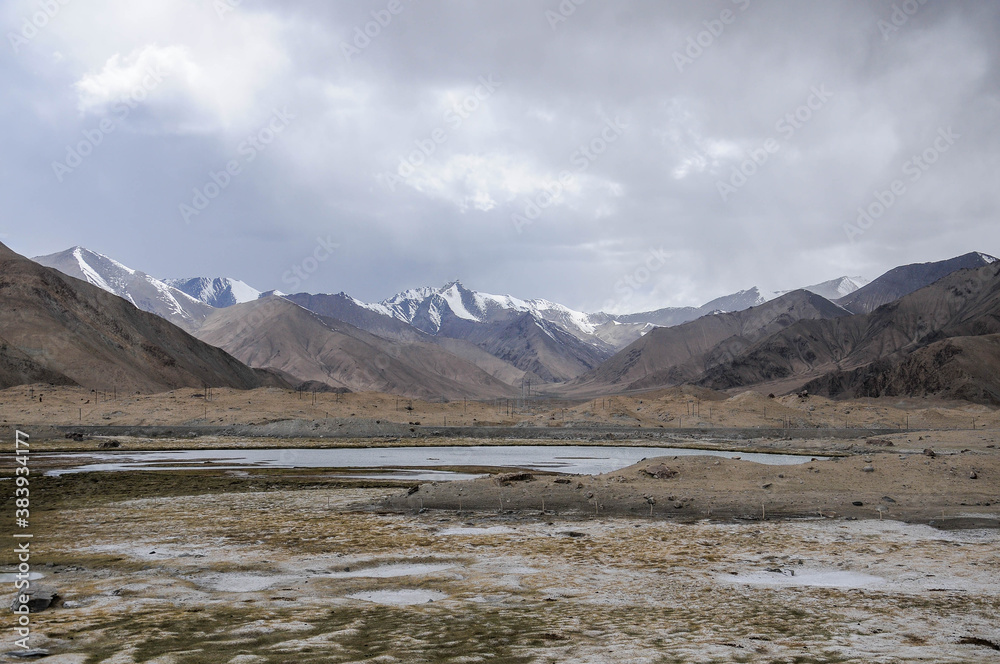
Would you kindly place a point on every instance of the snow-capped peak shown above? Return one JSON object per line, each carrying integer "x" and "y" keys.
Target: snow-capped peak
{"x": 834, "y": 289}
{"x": 142, "y": 290}
{"x": 217, "y": 292}
{"x": 428, "y": 308}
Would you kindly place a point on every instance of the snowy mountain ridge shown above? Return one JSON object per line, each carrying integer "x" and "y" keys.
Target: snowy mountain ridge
{"x": 428, "y": 307}
{"x": 834, "y": 289}
{"x": 142, "y": 290}
{"x": 218, "y": 292}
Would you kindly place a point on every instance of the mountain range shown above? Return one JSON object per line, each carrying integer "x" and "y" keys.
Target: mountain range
{"x": 845, "y": 336}
{"x": 275, "y": 333}
{"x": 63, "y": 330}
{"x": 218, "y": 292}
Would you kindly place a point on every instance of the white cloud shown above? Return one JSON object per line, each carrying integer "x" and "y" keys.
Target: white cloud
{"x": 482, "y": 182}
{"x": 134, "y": 76}
{"x": 191, "y": 71}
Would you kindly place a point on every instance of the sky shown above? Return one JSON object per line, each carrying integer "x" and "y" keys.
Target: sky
{"x": 622, "y": 156}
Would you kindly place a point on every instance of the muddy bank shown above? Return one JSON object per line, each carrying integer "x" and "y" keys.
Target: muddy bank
{"x": 961, "y": 489}
{"x": 269, "y": 577}
{"x": 349, "y": 428}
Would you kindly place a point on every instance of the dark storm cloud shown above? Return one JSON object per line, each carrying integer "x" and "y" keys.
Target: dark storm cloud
{"x": 420, "y": 148}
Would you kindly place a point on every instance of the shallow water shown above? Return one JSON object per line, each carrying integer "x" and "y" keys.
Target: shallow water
{"x": 402, "y": 462}
{"x": 11, "y": 578}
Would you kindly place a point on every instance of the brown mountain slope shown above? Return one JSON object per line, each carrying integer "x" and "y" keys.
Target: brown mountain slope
{"x": 964, "y": 303}
{"x": 536, "y": 346}
{"x": 494, "y": 366}
{"x": 674, "y": 355}
{"x": 98, "y": 340}
{"x": 907, "y": 279}
{"x": 275, "y": 333}
{"x": 17, "y": 368}
{"x": 957, "y": 368}
{"x": 522, "y": 342}
{"x": 344, "y": 308}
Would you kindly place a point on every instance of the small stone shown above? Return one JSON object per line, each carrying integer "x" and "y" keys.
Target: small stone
{"x": 858, "y": 503}
{"x": 766, "y": 486}
{"x": 660, "y": 472}
{"x": 930, "y": 453}
{"x": 35, "y": 653}
{"x": 973, "y": 476}
{"x": 39, "y": 599}
{"x": 887, "y": 499}
{"x": 505, "y": 479}
{"x": 868, "y": 469}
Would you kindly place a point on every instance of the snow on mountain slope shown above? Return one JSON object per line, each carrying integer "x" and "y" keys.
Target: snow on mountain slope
{"x": 428, "y": 308}
{"x": 145, "y": 292}
{"x": 905, "y": 279}
{"x": 671, "y": 316}
{"x": 834, "y": 289}
{"x": 218, "y": 292}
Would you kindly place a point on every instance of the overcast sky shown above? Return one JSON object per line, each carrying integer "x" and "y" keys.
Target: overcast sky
{"x": 533, "y": 148}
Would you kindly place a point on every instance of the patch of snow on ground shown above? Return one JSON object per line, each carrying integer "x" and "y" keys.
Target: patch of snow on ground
{"x": 811, "y": 578}
{"x": 493, "y": 530}
{"x": 234, "y": 582}
{"x": 391, "y": 571}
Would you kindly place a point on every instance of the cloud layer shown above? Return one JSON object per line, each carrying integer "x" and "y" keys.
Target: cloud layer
{"x": 538, "y": 148}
